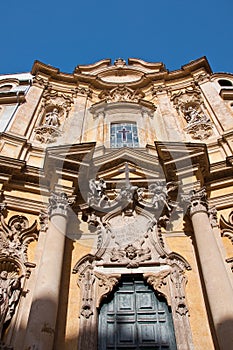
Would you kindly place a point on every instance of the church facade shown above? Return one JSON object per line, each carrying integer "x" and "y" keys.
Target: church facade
{"x": 116, "y": 207}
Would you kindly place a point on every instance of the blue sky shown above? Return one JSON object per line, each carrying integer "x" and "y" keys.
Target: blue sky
{"x": 67, "y": 33}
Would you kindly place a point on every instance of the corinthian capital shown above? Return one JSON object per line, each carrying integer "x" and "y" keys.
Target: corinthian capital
{"x": 59, "y": 204}
{"x": 197, "y": 200}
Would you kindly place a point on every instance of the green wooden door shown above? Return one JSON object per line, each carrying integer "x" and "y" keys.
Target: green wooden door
{"x": 134, "y": 318}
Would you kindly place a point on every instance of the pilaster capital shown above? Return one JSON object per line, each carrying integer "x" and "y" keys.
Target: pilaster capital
{"x": 59, "y": 204}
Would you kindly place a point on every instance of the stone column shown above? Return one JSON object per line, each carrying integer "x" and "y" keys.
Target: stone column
{"x": 43, "y": 314}
{"x": 218, "y": 287}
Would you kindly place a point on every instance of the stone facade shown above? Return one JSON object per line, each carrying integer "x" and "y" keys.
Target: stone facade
{"x": 115, "y": 170}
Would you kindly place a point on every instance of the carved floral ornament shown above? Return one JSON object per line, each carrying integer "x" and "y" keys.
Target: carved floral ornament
{"x": 15, "y": 237}
{"x": 190, "y": 105}
{"x": 52, "y": 114}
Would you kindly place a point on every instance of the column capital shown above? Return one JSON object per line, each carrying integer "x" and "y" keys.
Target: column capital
{"x": 198, "y": 202}
{"x": 59, "y": 204}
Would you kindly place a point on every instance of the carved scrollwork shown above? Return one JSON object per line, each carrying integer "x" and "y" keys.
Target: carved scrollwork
{"x": 106, "y": 283}
{"x": 15, "y": 237}
{"x": 121, "y": 93}
{"x": 179, "y": 281}
{"x": 158, "y": 281}
{"x": 227, "y": 226}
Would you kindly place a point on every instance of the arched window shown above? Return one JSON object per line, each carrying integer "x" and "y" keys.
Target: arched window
{"x": 225, "y": 82}
{"x": 124, "y": 135}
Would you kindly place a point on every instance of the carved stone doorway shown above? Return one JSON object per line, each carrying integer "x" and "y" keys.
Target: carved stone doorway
{"x": 134, "y": 317}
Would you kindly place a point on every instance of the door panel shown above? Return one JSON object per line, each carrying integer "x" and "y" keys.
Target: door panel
{"x": 134, "y": 318}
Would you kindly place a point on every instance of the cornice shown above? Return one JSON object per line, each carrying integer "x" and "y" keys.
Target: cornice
{"x": 147, "y": 72}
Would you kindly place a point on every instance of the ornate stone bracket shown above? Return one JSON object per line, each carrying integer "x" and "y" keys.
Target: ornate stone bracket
{"x": 94, "y": 286}
{"x": 158, "y": 281}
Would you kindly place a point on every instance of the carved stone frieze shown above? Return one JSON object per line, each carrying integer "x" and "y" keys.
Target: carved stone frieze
{"x": 189, "y": 103}
{"x": 158, "y": 197}
{"x": 86, "y": 281}
{"x": 230, "y": 261}
{"x": 121, "y": 93}
{"x": 97, "y": 195}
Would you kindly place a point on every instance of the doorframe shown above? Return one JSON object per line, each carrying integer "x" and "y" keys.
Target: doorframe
{"x": 96, "y": 283}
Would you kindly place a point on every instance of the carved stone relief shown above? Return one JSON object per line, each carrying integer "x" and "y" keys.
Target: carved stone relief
{"x": 14, "y": 265}
{"x": 121, "y": 94}
{"x": 190, "y": 105}
{"x": 53, "y": 112}
{"x": 128, "y": 224}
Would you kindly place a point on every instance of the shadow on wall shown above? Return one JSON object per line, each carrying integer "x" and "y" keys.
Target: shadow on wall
{"x": 225, "y": 334}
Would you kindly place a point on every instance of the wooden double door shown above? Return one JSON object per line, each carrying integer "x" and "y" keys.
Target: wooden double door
{"x": 135, "y": 318}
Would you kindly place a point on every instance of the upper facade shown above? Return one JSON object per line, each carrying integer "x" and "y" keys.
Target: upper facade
{"x": 129, "y": 104}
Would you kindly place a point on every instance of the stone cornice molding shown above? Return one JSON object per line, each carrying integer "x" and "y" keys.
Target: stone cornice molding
{"x": 146, "y": 72}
